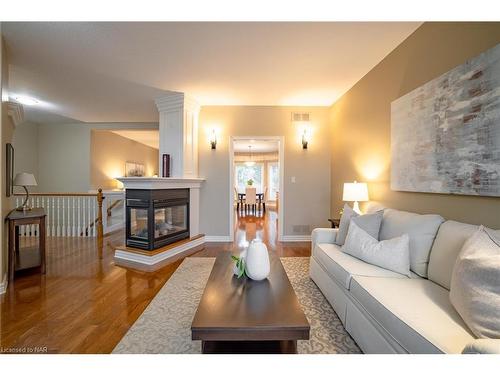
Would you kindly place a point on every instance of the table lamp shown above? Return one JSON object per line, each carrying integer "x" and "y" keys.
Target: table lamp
{"x": 355, "y": 192}
{"x": 25, "y": 179}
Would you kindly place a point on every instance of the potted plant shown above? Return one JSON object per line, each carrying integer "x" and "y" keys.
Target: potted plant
{"x": 250, "y": 182}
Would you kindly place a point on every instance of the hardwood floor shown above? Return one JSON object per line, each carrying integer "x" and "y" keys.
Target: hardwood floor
{"x": 86, "y": 305}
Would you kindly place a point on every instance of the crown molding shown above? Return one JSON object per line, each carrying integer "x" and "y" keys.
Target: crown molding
{"x": 174, "y": 101}
{"x": 16, "y": 112}
{"x": 170, "y": 102}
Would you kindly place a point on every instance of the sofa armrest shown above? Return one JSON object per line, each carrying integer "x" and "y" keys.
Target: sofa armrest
{"x": 483, "y": 346}
{"x": 323, "y": 235}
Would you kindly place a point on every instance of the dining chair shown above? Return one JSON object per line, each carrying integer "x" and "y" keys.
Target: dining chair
{"x": 237, "y": 197}
{"x": 251, "y": 198}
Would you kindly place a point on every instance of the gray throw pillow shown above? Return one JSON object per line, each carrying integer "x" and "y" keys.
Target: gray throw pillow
{"x": 370, "y": 223}
{"x": 347, "y": 214}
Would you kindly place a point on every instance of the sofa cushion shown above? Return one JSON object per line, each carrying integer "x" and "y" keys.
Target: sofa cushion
{"x": 448, "y": 243}
{"x": 422, "y": 230}
{"x": 475, "y": 284}
{"x": 417, "y": 313}
{"x": 342, "y": 266}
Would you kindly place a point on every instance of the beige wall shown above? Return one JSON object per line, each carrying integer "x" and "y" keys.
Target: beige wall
{"x": 306, "y": 202}
{"x": 60, "y": 154}
{"x": 108, "y": 155}
{"x": 361, "y": 119}
{"x": 25, "y": 142}
{"x": 63, "y": 157}
{"x": 7, "y": 129}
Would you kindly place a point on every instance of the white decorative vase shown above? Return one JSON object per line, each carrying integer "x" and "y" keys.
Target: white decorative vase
{"x": 236, "y": 271}
{"x": 257, "y": 261}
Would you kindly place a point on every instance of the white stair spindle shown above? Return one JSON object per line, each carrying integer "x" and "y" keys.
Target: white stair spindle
{"x": 53, "y": 221}
{"x": 63, "y": 228}
{"x": 73, "y": 221}
{"x": 37, "y": 227}
{"x": 84, "y": 212}
{"x": 79, "y": 218}
{"x": 89, "y": 218}
{"x": 58, "y": 216}
{"x": 94, "y": 203}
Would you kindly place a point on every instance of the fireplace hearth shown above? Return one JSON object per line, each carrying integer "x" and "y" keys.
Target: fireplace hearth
{"x": 156, "y": 217}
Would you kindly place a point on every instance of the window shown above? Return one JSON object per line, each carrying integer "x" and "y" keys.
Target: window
{"x": 273, "y": 173}
{"x": 243, "y": 173}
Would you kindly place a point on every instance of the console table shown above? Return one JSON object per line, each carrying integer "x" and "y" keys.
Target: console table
{"x": 15, "y": 219}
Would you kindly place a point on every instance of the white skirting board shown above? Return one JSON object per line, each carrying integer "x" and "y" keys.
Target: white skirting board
{"x": 292, "y": 238}
{"x": 3, "y": 285}
{"x": 217, "y": 239}
{"x": 152, "y": 260}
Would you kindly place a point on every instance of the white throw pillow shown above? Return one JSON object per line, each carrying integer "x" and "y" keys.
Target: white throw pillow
{"x": 393, "y": 254}
{"x": 475, "y": 284}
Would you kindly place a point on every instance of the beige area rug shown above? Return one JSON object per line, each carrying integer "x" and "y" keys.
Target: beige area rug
{"x": 165, "y": 325}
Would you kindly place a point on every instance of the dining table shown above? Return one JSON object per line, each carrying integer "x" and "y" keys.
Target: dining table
{"x": 258, "y": 195}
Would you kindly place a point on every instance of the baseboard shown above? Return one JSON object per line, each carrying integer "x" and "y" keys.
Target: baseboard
{"x": 294, "y": 238}
{"x": 217, "y": 239}
{"x": 3, "y": 285}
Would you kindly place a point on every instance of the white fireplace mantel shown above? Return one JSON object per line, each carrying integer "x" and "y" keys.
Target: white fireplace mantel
{"x": 161, "y": 182}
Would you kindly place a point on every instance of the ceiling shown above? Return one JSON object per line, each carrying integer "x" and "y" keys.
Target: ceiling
{"x": 146, "y": 137}
{"x": 112, "y": 71}
{"x": 258, "y": 146}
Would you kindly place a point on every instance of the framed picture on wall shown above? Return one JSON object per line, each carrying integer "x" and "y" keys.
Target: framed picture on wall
{"x": 133, "y": 169}
{"x": 9, "y": 170}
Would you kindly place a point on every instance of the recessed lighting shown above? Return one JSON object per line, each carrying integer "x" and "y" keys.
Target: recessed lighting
{"x": 26, "y": 100}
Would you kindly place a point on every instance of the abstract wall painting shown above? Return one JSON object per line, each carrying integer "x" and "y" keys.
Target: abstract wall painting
{"x": 445, "y": 135}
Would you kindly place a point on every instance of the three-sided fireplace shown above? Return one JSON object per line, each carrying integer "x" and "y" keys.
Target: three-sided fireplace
{"x": 157, "y": 217}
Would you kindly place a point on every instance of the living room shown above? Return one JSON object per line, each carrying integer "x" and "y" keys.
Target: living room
{"x": 363, "y": 219}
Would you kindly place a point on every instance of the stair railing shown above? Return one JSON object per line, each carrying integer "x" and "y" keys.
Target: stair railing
{"x": 68, "y": 215}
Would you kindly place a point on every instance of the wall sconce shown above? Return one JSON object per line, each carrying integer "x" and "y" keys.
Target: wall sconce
{"x": 213, "y": 139}
{"x": 306, "y": 135}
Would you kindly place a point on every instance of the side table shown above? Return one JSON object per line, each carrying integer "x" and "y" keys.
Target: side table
{"x": 335, "y": 222}
{"x": 15, "y": 219}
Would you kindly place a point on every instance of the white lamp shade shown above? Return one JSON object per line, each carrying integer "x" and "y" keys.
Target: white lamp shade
{"x": 24, "y": 179}
{"x": 355, "y": 192}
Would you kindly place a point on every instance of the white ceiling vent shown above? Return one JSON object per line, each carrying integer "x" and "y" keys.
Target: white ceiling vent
{"x": 301, "y": 116}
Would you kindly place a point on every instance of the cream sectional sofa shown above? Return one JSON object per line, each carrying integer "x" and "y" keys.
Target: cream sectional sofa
{"x": 386, "y": 312}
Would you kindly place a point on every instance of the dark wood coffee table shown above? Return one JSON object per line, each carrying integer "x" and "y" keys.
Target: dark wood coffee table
{"x": 246, "y": 316}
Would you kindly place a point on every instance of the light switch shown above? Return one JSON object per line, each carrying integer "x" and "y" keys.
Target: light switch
{"x": 293, "y": 179}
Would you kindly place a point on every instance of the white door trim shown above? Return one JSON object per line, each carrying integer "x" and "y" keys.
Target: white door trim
{"x": 281, "y": 157}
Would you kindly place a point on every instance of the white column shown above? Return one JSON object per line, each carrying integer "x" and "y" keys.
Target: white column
{"x": 179, "y": 133}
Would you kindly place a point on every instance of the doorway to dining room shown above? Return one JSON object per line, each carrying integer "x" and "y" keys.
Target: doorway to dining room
{"x": 256, "y": 178}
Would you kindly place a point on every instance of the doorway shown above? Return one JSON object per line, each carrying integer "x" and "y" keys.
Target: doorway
{"x": 256, "y": 162}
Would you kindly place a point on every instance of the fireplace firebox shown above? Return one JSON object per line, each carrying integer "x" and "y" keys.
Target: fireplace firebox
{"x": 155, "y": 218}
